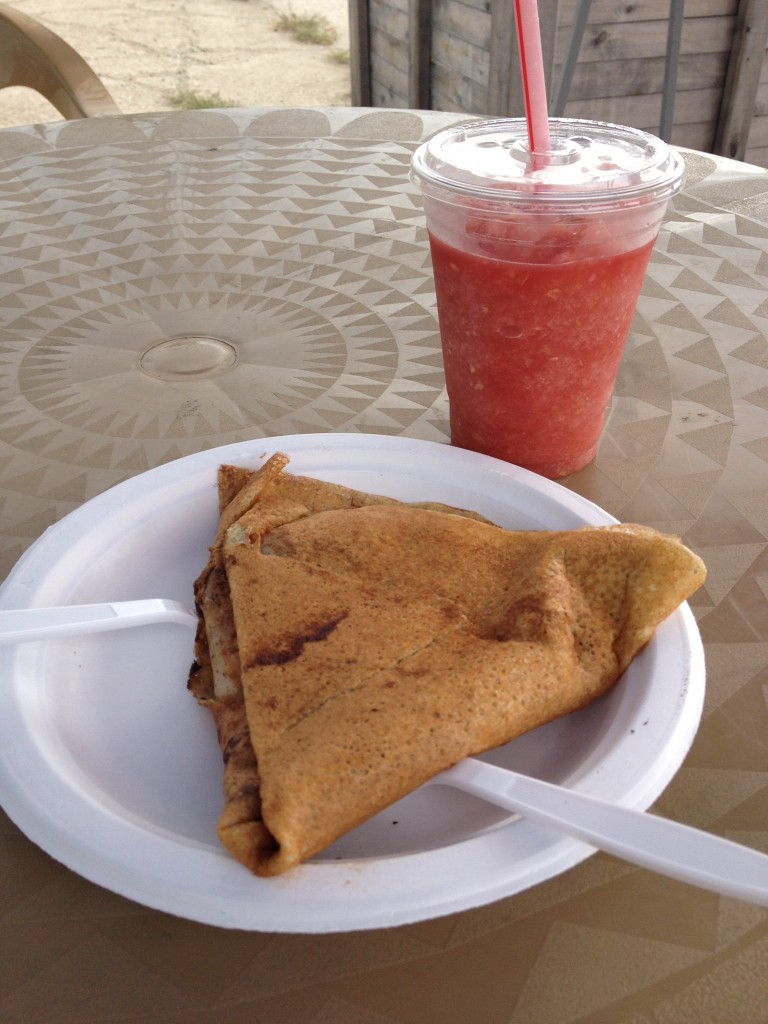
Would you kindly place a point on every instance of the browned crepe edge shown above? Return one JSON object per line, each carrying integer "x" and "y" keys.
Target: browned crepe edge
{"x": 214, "y": 678}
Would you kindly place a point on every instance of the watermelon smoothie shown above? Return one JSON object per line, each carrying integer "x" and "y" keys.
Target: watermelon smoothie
{"x": 537, "y": 278}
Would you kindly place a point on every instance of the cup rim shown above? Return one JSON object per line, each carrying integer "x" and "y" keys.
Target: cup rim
{"x": 656, "y": 180}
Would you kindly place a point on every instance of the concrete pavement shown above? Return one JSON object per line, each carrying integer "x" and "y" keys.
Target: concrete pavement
{"x": 148, "y": 50}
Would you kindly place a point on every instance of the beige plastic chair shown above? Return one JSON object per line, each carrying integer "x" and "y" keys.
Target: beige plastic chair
{"x": 33, "y": 56}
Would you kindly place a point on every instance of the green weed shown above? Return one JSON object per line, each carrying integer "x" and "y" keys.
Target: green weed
{"x": 307, "y": 28}
{"x": 189, "y": 99}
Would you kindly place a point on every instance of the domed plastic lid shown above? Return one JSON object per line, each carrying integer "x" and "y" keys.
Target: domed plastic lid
{"x": 589, "y": 160}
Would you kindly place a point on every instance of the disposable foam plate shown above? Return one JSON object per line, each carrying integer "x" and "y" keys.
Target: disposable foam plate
{"x": 108, "y": 764}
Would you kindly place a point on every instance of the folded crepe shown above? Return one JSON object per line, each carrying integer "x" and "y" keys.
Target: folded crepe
{"x": 350, "y": 646}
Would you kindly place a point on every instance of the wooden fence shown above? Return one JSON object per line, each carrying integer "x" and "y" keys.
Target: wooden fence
{"x": 461, "y": 55}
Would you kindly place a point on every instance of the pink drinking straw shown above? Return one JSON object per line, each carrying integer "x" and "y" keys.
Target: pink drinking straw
{"x": 532, "y": 69}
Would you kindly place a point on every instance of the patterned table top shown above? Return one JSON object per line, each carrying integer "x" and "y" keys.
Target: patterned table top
{"x": 175, "y": 282}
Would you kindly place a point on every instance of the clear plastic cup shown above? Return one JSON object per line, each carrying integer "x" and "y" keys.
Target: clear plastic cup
{"x": 538, "y": 265}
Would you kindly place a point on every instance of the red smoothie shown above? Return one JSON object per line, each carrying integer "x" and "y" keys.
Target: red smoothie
{"x": 532, "y": 340}
{"x": 539, "y": 259}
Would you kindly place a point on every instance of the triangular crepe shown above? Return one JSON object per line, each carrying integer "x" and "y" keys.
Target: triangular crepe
{"x": 351, "y": 647}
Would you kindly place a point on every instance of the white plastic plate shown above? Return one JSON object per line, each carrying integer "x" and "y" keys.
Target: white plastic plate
{"x": 110, "y": 766}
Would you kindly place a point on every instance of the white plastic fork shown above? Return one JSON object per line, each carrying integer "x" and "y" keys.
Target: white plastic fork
{"x": 18, "y": 625}
{"x": 667, "y": 847}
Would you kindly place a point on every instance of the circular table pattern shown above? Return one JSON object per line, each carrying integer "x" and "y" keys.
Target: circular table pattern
{"x": 194, "y": 281}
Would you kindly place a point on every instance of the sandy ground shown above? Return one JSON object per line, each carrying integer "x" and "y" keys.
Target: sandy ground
{"x": 145, "y": 51}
